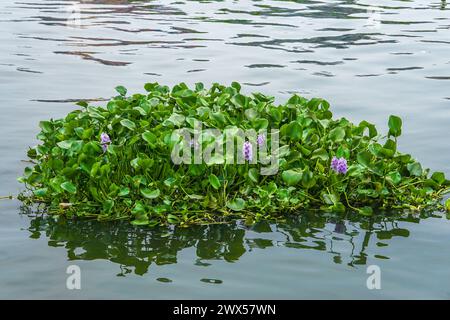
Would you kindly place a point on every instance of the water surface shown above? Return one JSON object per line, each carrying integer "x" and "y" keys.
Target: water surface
{"x": 370, "y": 59}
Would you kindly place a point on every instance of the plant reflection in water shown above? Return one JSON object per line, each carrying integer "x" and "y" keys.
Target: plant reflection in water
{"x": 347, "y": 240}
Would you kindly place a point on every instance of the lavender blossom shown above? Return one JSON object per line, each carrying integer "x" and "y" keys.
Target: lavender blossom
{"x": 105, "y": 140}
{"x": 260, "y": 139}
{"x": 339, "y": 165}
{"x": 248, "y": 151}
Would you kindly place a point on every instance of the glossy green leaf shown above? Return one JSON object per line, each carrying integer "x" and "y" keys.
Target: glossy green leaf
{"x": 253, "y": 174}
{"x": 121, "y": 90}
{"x": 415, "y": 169}
{"x": 40, "y": 192}
{"x": 69, "y": 187}
{"x": 124, "y": 192}
{"x": 294, "y": 131}
{"x": 395, "y": 126}
{"x": 214, "y": 181}
{"x": 337, "y": 134}
{"x": 150, "y": 193}
{"x": 292, "y": 177}
{"x": 237, "y": 204}
{"x": 128, "y": 124}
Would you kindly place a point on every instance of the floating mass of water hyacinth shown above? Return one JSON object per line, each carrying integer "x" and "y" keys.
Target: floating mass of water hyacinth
{"x": 116, "y": 161}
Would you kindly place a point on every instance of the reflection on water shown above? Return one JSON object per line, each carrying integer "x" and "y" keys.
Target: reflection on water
{"x": 91, "y": 29}
{"x": 369, "y": 58}
{"x": 135, "y": 249}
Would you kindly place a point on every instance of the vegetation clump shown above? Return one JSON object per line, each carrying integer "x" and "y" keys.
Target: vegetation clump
{"x": 115, "y": 162}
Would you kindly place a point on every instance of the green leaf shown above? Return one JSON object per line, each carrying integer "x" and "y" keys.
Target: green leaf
{"x": 259, "y": 124}
{"x": 239, "y": 100}
{"x": 365, "y": 211}
{"x": 124, "y": 192}
{"x": 276, "y": 114}
{"x": 175, "y": 119}
{"x": 394, "y": 177}
{"x": 237, "y": 204}
{"x": 128, "y": 124}
{"x": 195, "y": 196}
{"x": 138, "y": 209}
{"x": 140, "y": 222}
{"x": 343, "y": 152}
{"x": 170, "y": 182}
{"x": 121, "y": 90}
{"x": 46, "y": 126}
{"x": 447, "y": 205}
{"x": 149, "y": 137}
{"x": 219, "y": 118}
{"x": 415, "y": 169}
{"x": 112, "y": 149}
{"x": 69, "y": 187}
{"x": 439, "y": 177}
{"x": 108, "y": 205}
{"x": 292, "y": 177}
{"x": 337, "y": 134}
{"x": 173, "y": 219}
{"x": 330, "y": 198}
{"x": 395, "y": 126}
{"x": 364, "y": 158}
{"x": 66, "y": 144}
{"x": 150, "y": 194}
{"x": 253, "y": 174}
{"x": 214, "y": 181}
{"x": 294, "y": 131}
{"x": 40, "y": 192}
{"x": 308, "y": 179}
{"x": 320, "y": 154}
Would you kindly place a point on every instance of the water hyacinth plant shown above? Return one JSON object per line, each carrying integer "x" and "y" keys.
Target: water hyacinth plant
{"x": 114, "y": 162}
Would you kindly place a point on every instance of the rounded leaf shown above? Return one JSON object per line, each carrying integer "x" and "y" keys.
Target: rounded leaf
{"x": 237, "y": 204}
{"x": 150, "y": 194}
{"x": 292, "y": 177}
{"x": 69, "y": 187}
{"x": 214, "y": 181}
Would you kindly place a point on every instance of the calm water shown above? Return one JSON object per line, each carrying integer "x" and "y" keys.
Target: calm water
{"x": 368, "y": 58}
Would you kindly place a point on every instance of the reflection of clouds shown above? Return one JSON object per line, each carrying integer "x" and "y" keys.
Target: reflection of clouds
{"x": 349, "y": 241}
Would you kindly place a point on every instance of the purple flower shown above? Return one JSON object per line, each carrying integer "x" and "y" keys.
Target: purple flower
{"x": 105, "y": 140}
{"x": 260, "y": 139}
{"x": 339, "y": 165}
{"x": 248, "y": 151}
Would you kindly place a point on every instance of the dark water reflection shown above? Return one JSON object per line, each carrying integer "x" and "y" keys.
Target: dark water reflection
{"x": 136, "y": 249}
{"x": 369, "y": 58}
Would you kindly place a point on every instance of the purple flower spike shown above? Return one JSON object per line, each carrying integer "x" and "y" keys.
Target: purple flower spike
{"x": 260, "y": 139}
{"x": 339, "y": 165}
{"x": 334, "y": 163}
{"x": 248, "y": 151}
{"x": 105, "y": 138}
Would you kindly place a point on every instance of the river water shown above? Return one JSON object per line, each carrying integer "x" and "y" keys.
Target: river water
{"x": 370, "y": 59}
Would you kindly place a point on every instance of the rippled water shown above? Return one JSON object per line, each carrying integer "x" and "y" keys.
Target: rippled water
{"x": 368, "y": 58}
